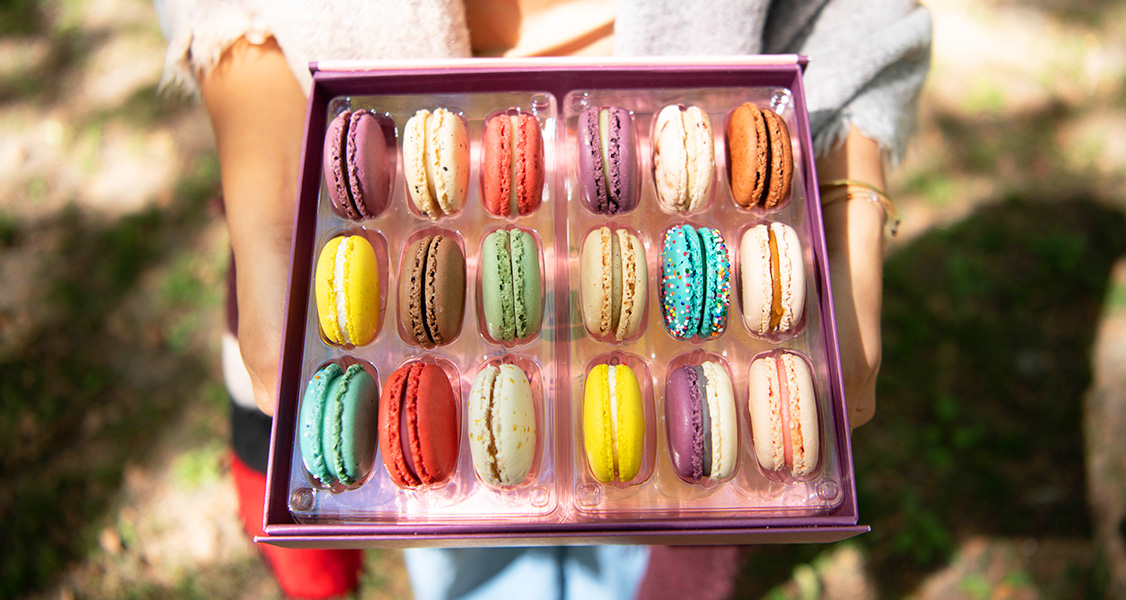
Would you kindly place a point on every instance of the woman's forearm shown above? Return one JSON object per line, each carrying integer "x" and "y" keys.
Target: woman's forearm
{"x": 257, "y": 111}
{"x": 854, "y": 236}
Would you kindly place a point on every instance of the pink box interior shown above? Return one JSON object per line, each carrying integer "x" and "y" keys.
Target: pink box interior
{"x": 566, "y": 82}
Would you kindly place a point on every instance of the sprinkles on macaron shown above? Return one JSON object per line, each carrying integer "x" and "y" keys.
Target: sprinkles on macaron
{"x": 695, "y": 282}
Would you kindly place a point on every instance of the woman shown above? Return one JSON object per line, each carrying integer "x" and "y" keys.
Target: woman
{"x": 249, "y": 59}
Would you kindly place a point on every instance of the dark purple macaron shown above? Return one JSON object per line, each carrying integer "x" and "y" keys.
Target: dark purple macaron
{"x": 701, "y": 422}
{"x": 689, "y": 423}
{"x": 356, "y": 166}
{"x": 610, "y": 185}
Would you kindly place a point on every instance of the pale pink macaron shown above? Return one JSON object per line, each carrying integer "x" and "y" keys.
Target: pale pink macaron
{"x": 783, "y": 410}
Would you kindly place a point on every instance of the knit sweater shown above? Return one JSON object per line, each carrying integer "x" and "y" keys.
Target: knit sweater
{"x": 868, "y": 58}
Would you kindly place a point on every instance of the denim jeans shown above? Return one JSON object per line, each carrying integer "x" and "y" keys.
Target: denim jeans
{"x": 550, "y": 573}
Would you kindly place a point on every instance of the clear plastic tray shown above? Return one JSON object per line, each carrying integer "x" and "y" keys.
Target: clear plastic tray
{"x": 560, "y": 501}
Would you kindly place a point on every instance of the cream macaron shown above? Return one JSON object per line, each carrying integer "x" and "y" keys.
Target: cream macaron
{"x": 683, "y": 158}
{"x": 436, "y": 161}
{"x": 772, "y": 279}
{"x": 502, "y": 425}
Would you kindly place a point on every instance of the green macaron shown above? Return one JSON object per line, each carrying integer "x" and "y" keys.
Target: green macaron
{"x": 511, "y": 285}
{"x": 337, "y": 424}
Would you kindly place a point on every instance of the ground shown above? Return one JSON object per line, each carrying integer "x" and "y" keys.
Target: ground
{"x": 994, "y": 468}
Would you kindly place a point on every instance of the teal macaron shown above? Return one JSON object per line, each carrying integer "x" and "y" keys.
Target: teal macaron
{"x": 336, "y": 425}
{"x": 511, "y": 285}
{"x": 695, "y": 282}
{"x": 717, "y": 283}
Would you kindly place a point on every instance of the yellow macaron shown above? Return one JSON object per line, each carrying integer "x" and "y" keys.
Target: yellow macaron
{"x": 347, "y": 291}
{"x": 613, "y": 423}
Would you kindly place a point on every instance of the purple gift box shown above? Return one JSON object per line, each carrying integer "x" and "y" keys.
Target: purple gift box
{"x": 560, "y": 502}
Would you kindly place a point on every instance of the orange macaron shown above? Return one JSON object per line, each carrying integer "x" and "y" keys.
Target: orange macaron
{"x": 760, "y": 158}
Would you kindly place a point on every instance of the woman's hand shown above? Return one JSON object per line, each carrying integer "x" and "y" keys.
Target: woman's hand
{"x": 854, "y": 238}
{"x": 257, "y": 111}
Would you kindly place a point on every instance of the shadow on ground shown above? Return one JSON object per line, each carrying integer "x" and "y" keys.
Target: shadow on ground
{"x": 1082, "y": 12}
{"x": 99, "y": 379}
{"x": 988, "y": 328}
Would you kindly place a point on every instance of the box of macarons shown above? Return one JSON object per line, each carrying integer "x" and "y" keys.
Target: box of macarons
{"x": 559, "y": 301}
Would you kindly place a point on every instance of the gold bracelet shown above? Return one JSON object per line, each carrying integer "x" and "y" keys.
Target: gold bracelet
{"x": 847, "y": 189}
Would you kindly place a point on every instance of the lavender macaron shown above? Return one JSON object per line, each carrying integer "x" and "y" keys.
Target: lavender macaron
{"x": 608, "y": 161}
{"x": 356, "y": 167}
{"x": 701, "y": 418}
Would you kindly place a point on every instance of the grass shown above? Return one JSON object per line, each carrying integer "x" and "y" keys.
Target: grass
{"x": 215, "y": 583}
{"x": 8, "y": 228}
{"x": 1086, "y": 13}
{"x": 1116, "y": 298}
{"x": 987, "y": 329}
{"x": 71, "y": 414}
{"x": 199, "y": 465}
{"x": 146, "y": 107}
{"x": 984, "y": 97}
{"x": 69, "y": 48}
{"x": 20, "y": 17}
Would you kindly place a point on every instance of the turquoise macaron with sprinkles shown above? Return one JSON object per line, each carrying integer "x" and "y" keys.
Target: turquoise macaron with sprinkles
{"x": 695, "y": 282}
{"x": 336, "y": 425}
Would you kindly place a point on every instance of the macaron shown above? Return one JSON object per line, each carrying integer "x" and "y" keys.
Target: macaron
{"x": 760, "y": 157}
{"x": 772, "y": 269}
{"x": 502, "y": 425}
{"x": 613, "y": 286}
{"x": 513, "y": 167}
{"x": 613, "y": 423}
{"x": 683, "y": 158}
{"x": 432, "y": 290}
{"x": 346, "y": 286}
{"x": 436, "y": 161}
{"x": 783, "y": 410}
{"x": 607, "y": 160}
{"x": 511, "y": 286}
{"x": 336, "y": 425}
{"x": 418, "y": 426}
{"x": 702, "y": 422}
{"x": 695, "y": 282}
{"x": 356, "y": 168}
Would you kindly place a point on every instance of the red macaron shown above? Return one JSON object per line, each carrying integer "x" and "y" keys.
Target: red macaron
{"x": 513, "y": 165}
{"x": 418, "y": 425}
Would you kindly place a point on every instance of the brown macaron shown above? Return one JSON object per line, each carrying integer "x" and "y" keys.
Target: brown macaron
{"x": 781, "y": 160}
{"x": 760, "y": 158}
{"x": 747, "y": 154}
{"x": 432, "y": 291}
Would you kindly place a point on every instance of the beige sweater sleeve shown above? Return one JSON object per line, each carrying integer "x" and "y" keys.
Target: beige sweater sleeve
{"x": 198, "y": 31}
